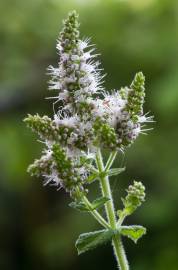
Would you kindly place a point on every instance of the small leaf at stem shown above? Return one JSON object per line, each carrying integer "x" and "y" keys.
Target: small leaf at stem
{"x": 91, "y": 240}
{"x": 133, "y": 232}
{"x": 92, "y": 177}
{"x": 99, "y": 202}
{"x": 87, "y": 159}
{"x": 79, "y": 206}
{"x": 115, "y": 171}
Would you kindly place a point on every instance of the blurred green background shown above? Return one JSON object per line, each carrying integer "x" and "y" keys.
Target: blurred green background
{"x": 37, "y": 228}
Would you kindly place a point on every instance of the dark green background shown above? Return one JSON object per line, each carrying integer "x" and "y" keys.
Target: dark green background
{"x": 37, "y": 228}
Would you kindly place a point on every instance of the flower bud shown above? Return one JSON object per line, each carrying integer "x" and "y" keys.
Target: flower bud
{"x": 135, "y": 197}
{"x": 69, "y": 173}
{"x": 48, "y": 129}
{"x": 136, "y": 95}
{"x": 41, "y": 166}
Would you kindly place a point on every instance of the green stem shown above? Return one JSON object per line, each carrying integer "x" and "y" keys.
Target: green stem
{"x": 95, "y": 214}
{"x": 109, "y": 206}
{"x": 110, "y": 160}
{"x": 121, "y": 219}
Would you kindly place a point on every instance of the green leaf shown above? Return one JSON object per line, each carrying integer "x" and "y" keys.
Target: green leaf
{"x": 99, "y": 202}
{"x": 87, "y": 159}
{"x": 92, "y": 177}
{"x": 115, "y": 171}
{"x": 133, "y": 232}
{"x": 91, "y": 240}
{"x": 79, "y": 206}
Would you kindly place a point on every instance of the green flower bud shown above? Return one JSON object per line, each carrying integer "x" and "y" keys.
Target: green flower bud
{"x": 105, "y": 135}
{"x": 68, "y": 171}
{"x": 70, "y": 33}
{"x": 134, "y": 198}
{"x": 47, "y": 129}
{"x": 136, "y": 96}
{"x": 41, "y": 166}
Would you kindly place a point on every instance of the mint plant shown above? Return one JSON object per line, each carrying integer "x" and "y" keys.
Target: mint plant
{"x": 87, "y": 121}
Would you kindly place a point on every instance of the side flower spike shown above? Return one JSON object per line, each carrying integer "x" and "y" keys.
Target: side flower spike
{"x": 135, "y": 197}
{"x": 72, "y": 175}
{"x": 49, "y": 129}
{"x": 136, "y": 96}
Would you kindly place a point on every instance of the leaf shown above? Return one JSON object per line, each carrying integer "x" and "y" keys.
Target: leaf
{"x": 91, "y": 240}
{"x": 99, "y": 202}
{"x": 133, "y": 232}
{"x": 92, "y": 177}
{"x": 87, "y": 159}
{"x": 115, "y": 171}
{"x": 79, "y": 206}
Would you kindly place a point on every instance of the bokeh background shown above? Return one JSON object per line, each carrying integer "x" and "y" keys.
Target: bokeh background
{"x": 37, "y": 228}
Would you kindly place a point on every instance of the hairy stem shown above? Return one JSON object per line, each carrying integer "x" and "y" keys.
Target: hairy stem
{"x": 109, "y": 207}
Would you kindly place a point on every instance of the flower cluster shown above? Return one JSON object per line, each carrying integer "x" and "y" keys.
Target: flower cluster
{"x": 86, "y": 117}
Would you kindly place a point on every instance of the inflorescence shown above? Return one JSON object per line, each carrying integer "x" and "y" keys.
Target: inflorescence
{"x": 88, "y": 119}
{"x": 87, "y": 116}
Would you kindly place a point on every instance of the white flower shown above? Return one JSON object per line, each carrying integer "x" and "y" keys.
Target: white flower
{"x": 82, "y": 44}
{"x": 55, "y": 85}
{"x": 75, "y": 57}
{"x": 66, "y": 121}
{"x": 64, "y": 57}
